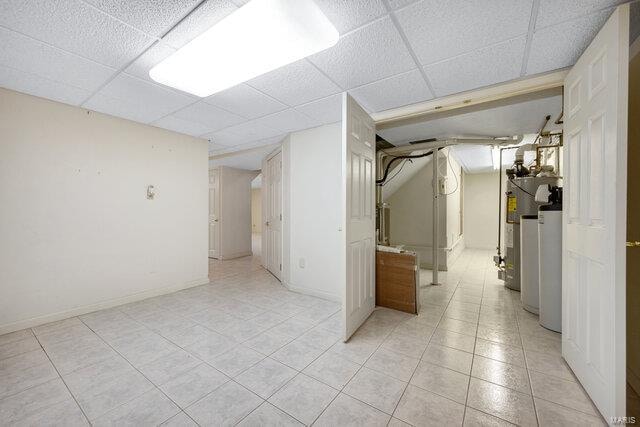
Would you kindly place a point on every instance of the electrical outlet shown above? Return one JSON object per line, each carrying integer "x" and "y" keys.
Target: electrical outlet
{"x": 301, "y": 262}
{"x": 442, "y": 185}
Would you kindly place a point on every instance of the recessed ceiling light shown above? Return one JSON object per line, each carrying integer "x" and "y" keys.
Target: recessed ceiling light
{"x": 259, "y": 37}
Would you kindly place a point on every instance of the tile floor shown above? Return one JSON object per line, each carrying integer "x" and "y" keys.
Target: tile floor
{"x": 243, "y": 350}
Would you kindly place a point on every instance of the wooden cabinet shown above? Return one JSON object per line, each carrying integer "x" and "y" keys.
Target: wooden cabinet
{"x": 397, "y": 281}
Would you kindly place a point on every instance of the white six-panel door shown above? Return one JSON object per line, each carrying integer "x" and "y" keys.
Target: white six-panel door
{"x": 594, "y": 217}
{"x": 358, "y": 167}
{"x": 272, "y": 246}
{"x": 214, "y": 214}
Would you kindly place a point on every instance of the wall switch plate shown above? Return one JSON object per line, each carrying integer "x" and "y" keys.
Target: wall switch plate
{"x": 301, "y": 262}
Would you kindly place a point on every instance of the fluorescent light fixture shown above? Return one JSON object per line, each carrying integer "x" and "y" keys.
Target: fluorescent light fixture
{"x": 259, "y": 37}
{"x": 495, "y": 157}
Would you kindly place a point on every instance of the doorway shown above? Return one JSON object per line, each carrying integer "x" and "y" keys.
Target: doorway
{"x": 214, "y": 213}
{"x": 256, "y": 216}
{"x": 272, "y": 214}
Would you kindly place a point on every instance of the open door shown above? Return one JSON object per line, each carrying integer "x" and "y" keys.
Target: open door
{"x": 214, "y": 214}
{"x": 358, "y": 166}
{"x": 594, "y": 218}
{"x": 272, "y": 212}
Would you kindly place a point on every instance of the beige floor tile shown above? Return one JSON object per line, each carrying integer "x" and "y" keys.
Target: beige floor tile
{"x": 191, "y": 386}
{"x": 151, "y": 408}
{"x": 475, "y": 418}
{"x": 447, "y": 357}
{"x": 550, "y": 364}
{"x": 297, "y": 355}
{"x": 268, "y": 415}
{"x": 236, "y": 360}
{"x": 442, "y": 381}
{"x": 332, "y": 370}
{"x": 304, "y": 398}
{"x": 376, "y": 389}
{"x": 504, "y": 374}
{"x": 346, "y": 411}
{"x": 550, "y": 414}
{"x": 393, "y": 364}
{"x": 501, "y": 402}
{"x": 226, "y": 406}
{"x": 266, "y": 377}
{"x": 504, "y": 353}
{"x": 563, "y": 392}
{"x": 454, "y": 340}
{"x": 419, "y": 407}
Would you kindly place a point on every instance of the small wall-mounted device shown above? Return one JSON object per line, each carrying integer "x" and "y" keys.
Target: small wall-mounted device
{"x": 151, "y": 192}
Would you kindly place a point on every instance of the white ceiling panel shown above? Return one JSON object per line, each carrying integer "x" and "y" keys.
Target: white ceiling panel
{"x": 76, "y": 27}
{"x": 200, "y": 20}
{"x": 154, "y": 55}
{"x": 396, "y": 91}
{"x": 249, "y": 160}
{"x": 136, "y": 99}
{"x": 347, "y": 15}
{"x": 34, "y": 57}
{"x": 33, "y": 84}
{"x": 397, "y": 4}
{"x": 561, "y": 45}
{"x": 555, "y": 11}
{"x": 483, "y": 67}
{"x": 368, "y": 54}
{"x": 177, "y": 124}
{"x": 210, "y": 116}
{"x": 245, "y": 101}
{"x": 507, "y": 120}
{"x": 295, "y": 84}
{"x": 151, "y": 16}
{"x": 441, "y": 29}
{"x": 325, "y": 110}
{"x": 287, "y": 121}
{"x": 243, "y": 133}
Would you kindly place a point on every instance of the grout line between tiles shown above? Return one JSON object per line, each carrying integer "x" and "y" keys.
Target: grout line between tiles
{"x": 535, "y": 7}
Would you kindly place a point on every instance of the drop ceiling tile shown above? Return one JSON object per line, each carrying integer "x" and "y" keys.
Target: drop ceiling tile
{"x": 441, "y": 29}
{"x": 483, "y": 67}
{"x": 154, "y": 55}
{"x": 370, "y": 53}
{"x": 151, "y": 16}
{"x": 153, "y": 101}
{"x": 200, "y": 20}
{"x": 287, "y": 121}
{"x": 33, "y": 84}
{"x": 561, "y": 45}
{"x": 177, "y": 124}
{"x": 76, "y": 27}
{"x": 295, "y": 84}
{"x": 245, "y": 101}
{"x": 208, "y": 115}
{"x": 325, "y": 110}
{"x": 243, "y": 133}
{"x": 29, "y": 55}
{"x": 347, "y": 15}
{"x": 555, "y": 11}
{"x": 402, "y": 89}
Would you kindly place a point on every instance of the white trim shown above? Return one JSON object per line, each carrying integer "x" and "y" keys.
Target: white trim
{"x": 235, "y": 255}
{"x": 537, "y": 83}
{"x": 312, "y": 292}
{"x": 77, "y": 311}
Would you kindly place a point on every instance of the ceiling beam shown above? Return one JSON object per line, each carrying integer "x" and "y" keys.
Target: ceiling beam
{"x": 423, "y": 110}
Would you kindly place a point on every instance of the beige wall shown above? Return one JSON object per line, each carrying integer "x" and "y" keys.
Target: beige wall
{"x": 77, "y": 231}
{"x": 256, "y": 210}
{"x": 481, "y": 210}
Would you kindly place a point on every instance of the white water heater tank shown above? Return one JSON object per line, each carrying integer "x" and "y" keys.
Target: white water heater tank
{"x": 550, "y": 253}
{"x": 529, "y": 266}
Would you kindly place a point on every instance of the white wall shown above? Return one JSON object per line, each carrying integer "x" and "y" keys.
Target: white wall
{"x": 235, "y": 212}
{"x": 481, "y": 210}
{"x": 312, "y": 211}
{"x": 77, "y": 231}
{"x": 411, "y": 213}
{"x": 256, "y": 210}
{"x": 454, "y": 189}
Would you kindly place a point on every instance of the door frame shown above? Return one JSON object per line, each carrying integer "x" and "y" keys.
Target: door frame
{"x": 265, "y": 208}
{"x": 212, "y": 172}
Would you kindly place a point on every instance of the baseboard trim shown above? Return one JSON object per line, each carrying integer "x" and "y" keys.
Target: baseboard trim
{"x": 235, "y": 255}
{"x": 312, "y": 292}
{"x": 78, "y": 311}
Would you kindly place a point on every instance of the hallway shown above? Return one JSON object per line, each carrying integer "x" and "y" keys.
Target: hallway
{"x": 245, "y": 350}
